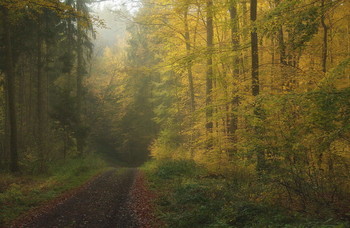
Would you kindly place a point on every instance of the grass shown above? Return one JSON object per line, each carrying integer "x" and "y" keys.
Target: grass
{"x": 190, "y": 196}
{"x": 19, "y": 194}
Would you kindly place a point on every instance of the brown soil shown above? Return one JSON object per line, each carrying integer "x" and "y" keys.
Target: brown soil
{"x": 103, "y": 202}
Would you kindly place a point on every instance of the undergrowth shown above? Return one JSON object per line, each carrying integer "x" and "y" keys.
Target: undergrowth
{"x": 190, "y": 196}
{"x": 21, "y": 193}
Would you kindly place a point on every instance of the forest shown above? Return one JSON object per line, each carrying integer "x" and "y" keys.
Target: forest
{"x": 235, "y": 113}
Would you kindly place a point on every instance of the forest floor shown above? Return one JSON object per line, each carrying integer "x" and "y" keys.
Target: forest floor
{"x": 190, "y": 195}
{"x": 109, "y": 200}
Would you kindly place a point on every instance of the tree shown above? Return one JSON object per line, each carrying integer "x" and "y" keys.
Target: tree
{"x": 210, "y": 72}
{"x": 189, "y": 64}
{"x": 233, "y": 119}
{"x": 41, "y": 97}
{"x": 254, "y": 48}
{"x": 29, "y": 88}
{"x": 10, "y": 85}
{"x": 325, "y": 39}
{"x": 83, "y": 26}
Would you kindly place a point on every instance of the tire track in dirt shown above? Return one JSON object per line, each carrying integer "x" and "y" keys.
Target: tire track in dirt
{"x": 102, "y": 203}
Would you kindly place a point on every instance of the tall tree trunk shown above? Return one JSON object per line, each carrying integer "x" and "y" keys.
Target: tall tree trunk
{"x": 7, "y": 145}
{"x": 233, "y": 123}
{"x": 79, "y": 86}
{"x": 282, "y": 54}
{"x": 21, "y": 112}
{"x": 189, "y": 64}
{"x": 245, "y": 36}
{"x": 10, "y": 84}
{"x": 325, "y": 41}
{"x": 40, "y": 99}
{"x": 280, "y": 38}
{"x": 70, "y": 54}
{"x": 190, "y": 77}
{"x": 254, "y": 49}
{"x": 210, "y": 73}
{"x": 272, "y": 68}
{"x": 255, "y": 73}
{"x": 281, "y": 46}
{"x": 46, "y": 84}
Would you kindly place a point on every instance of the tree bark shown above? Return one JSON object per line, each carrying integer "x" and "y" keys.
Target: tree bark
{"x": 255, "y": 74}
{"x": 254, "y": 49}
{"x": 281, "y": 46}
{"x": 209, "y": 74}
{"x": 11, "y": 87}
{"x": 189, "y": 64}
{"x": 79, "y": 86}
{"x": 280, "y": 38}
{"x": 233, "y": 122}
{"x": 189, "y": 75}
{"x": 40, "y": 99}
{"x": 325, "y": 41}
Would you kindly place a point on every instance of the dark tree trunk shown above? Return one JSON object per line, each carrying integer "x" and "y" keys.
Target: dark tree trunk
{"x": 280, "y": 38}
{"x": 79, "y": 86}
{"x": 40, "y": 99}
{"x": 233, "y": 122}
{"x": 189, "y": 75}
{"x": 254, "y": 49}
{"x": 325, "y": 41}
{"x": 48, "y": 46}
{"x": 10, "y": 84}
{"x": 255, "y": 74}
{"x": 189, "y": 64}
{"x": 210, "y": 73}
{"x": 7, "y": 147}
{"x": 281, "y": 46}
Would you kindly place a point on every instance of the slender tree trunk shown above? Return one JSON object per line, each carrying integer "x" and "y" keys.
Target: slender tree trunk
{"x": 79, "y": 86}
{"x": 282, "y": 52}
{"x": 7, "y": 139}
{"x": 46, "y": 126}
{"x": 272, "y": 72}
{"x": 10, "y": 82}
{"x": 234, "y": 37}
{"x": 189, "y": 64}
{"x": 325, "y": 41}
{"x": 255, "y": 73}
{"x": 281, "y": 46}
{"x": 254, "y": 49}
{"x": 348, "y": 39}
{"x": 245, "y": 37}
{"x": 280, "y": 38}
{"x": 31, "y": 104}
{"x": 210, "y": 73}
{"x": 190, "y": 76}
{"x": 40, "y": 99}
{"x": 69, "y": 50}
{"x": 233, "y": 123}
{"x": 21, "y": 112}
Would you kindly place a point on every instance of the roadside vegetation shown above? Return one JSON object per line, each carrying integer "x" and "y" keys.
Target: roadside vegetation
{"x": 21, "y": 193}
{"x": 189, "y": 195}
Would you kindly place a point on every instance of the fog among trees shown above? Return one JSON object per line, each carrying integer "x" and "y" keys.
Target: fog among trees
{"x": 258, "y": 89}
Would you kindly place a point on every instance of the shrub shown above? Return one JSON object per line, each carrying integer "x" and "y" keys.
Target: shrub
{"x": 168, "y": 169}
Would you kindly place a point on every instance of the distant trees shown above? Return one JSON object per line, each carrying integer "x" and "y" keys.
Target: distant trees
{"x": 121, "y": 99}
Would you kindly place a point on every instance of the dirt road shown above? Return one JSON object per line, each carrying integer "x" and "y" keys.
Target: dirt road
{"x": 102, "y": 203}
